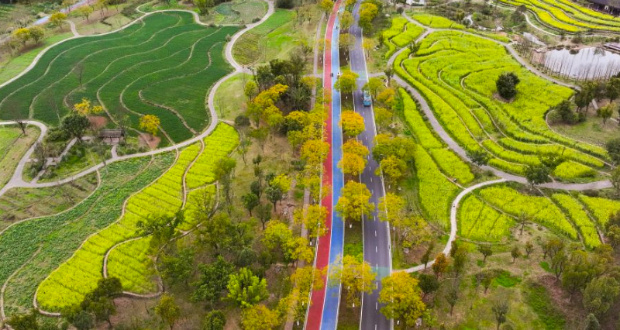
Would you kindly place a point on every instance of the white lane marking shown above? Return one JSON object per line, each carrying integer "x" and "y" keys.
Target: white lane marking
{"x": 375, "y": 233}
{"x": 371, "y": 179}
{"x": 377, "y": 306}
{"x": 376, "y": 249}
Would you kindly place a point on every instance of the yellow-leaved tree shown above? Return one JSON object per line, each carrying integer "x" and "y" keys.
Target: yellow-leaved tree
{"x": 354, "y": 201}
{"x": 352, "y": 123}
{"x": 150, "y": 124}
{"x": 85, "y": 108}
{"x": 356, "y": 277}
{"x": 401, "y": 297}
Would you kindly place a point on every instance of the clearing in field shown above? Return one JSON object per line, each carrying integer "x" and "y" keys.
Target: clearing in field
{"x": 163, "y": 65}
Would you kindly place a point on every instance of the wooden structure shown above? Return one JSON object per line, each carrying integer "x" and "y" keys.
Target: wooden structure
{"x": 112, "y": 136}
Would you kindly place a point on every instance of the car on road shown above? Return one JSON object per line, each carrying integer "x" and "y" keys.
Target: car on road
{"x": 367, "y": 99}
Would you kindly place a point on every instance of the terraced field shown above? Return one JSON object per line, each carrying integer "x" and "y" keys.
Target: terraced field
{"x": 400, "y": 34}
{"x": 163, "y": 65}
{"x": 456, "y": 73}
{"x": 568, "y": 16}
{"x": 192, "y": 170}
{"x": 30, "y": 250}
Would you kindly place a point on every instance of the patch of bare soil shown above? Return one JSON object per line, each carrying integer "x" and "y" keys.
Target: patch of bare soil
{"x": 97, "y": 122}
{"x": 148, "y": 140}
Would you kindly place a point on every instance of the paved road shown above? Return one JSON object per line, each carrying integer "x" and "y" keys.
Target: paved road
{"x": 318, "y": 297}
{"x": 376, "y": 233}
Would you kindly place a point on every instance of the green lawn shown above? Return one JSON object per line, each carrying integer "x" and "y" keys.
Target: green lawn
{"x": 13, "y": 146}
{"x": 276, "y": 37}
{"x": 229, "y": 98}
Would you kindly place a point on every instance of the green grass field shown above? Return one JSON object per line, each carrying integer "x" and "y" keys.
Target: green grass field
{"x": 13, "y": 146}
{"x": 237, "y": 12}
{"x": 162, "y": 66}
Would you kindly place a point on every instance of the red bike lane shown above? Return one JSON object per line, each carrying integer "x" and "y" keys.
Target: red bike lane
{"x": 317, "y": 299}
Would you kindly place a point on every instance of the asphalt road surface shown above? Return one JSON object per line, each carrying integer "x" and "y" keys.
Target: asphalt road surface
{"x": 376, "y": 233}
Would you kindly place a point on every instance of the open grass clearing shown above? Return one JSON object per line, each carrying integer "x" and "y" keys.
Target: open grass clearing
{"x": 22, "y": 203}
{"x": 13, "y": 146}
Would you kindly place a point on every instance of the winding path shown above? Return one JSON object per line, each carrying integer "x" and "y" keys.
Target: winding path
{"x": 17, "y": 180}
{"x": 504, "y": 177}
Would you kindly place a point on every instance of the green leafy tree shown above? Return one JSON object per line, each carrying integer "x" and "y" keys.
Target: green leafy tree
{"x": 428, "y": 284}
{"x": 168, "y": 310}
{"x": 479, "y": 157}
{"x": 75, "y": 125}
{"x": 592, "y": 323}
{"x": 212, "y": 281}
{"x": 203, "y": 6}
{"x": 452, "y": 296}
{"x": 507, "y": 85}
{"x": 605, "y": 113}
{"x": 600, "y": 295}
{"x": 613, "y": 149}
{"x": 24, "y": 321}
{"x": 537, "y": 174}
{"x": 515, "y": 253}
{"x": 250, "y": 201}
{"x": 215, "y": 320}
{"x": 178, "y": 267}
{"x": 486, "y": 251}
{"x": 500, "y": 309}
{"x": 246, "y": 289}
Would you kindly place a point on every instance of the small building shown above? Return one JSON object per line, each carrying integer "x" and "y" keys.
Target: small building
{"x": 609, "y": 6}
{"x": 112, "y": 136}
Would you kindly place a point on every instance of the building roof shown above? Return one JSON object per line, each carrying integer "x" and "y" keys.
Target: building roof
{"x": 111, "y": 133}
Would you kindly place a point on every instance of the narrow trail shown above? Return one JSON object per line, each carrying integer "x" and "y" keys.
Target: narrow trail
{"x": 453, "y": 222}
{"x": 445, "y": 136}
{"x": 17, "y": 180}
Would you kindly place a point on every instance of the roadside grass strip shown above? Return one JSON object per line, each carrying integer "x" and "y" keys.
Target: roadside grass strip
{"x": 481, "y": 222}
{"x": 446, "y": 159}
{"x": 132, "y": 262}
{"x": 580, "y": 218}
{"x": 270, "y": 36}
{"x": 456, "y": 74}
{"x": 540, "y": 209}
{"x": 435, "y": 191}
{"x": 59, "y": 236}
{"x": 600, "y": 208}
{"x": 165, "y": 197}
{"x": 163, "y": 65}
{"x": 400, "y": 34}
